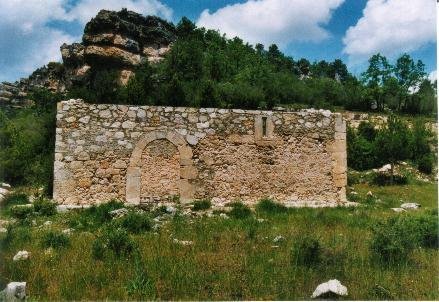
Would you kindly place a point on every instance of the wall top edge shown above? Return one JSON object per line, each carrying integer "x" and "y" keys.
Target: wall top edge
{"x": 80, "y": 102}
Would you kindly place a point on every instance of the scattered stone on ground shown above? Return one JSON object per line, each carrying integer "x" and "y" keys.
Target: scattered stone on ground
{"x": 5, "y": 185}
{"x": 370, "y": 194}
{"x": 15, "y": 291}
{"x": 279, "y": 239}
{"x": 224, "y": 215}
{"x": 385, "y": 168}
{"x": 3, "y": 230}
{"x": 398, "y": 210}
{"x": 49, "y": 251}
{"x": 47, "y": 223}
{"x": 410, "y": 205}
{"x": 183, "y": 242}
{"x": 118, "y": 213}
{"x": 67, "y": 231}
{"x": 64, "y": 208}
{"x": 171, "y": 210}
{"x": 331, "y": 288}
{"x": 21, "y": 255}
{"x": 260, "y": 220}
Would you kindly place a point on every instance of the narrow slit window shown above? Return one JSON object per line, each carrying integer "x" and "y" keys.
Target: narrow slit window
{"x": 264, "y": 126}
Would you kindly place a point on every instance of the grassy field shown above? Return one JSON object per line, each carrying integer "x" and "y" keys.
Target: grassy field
{"x": 229, "y": 259}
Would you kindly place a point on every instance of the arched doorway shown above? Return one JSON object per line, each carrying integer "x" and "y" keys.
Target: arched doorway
{"x": 159, "y": 168}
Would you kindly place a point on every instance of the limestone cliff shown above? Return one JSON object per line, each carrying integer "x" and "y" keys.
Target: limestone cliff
{"x": 118, "y": 40}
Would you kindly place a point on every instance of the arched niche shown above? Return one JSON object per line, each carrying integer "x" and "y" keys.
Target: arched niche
{"x": 187, "y": 169}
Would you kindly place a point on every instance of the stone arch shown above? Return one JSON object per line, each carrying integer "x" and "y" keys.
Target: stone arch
{"x": 187, "y": 169}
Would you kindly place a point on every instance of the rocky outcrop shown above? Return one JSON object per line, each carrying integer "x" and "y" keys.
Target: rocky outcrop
{"x": 16, "y": 95}
{"x": 119, "y": 41}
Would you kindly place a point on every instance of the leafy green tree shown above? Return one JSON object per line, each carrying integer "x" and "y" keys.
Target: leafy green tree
{"x": 409, "y": 75}
{"x": 393, "y": 142}
{"x": 375, "y": 77}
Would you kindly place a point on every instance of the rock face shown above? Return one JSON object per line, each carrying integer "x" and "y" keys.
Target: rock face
{"x": 151, "y": 154}
{"x": 120, "y": 41}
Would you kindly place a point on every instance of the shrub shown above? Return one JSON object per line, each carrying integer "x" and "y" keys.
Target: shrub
{"x": 269, "y": 206}
{"x": 382, "y": 179}
{"x": 307, "y": 251}
{"x": 427, "y": 227}
{"x": 116, "y": 240}
{"x": 135, "y": 222}
{"x": 15, "y": 199}
{"x": 425, "y": 164}
{"x": 367, "y": 130}
{"x": 21, "y": 212}
{"x": 98, "y": 215}
{"x": 240, "y": 211}
{"x": 55, "y": 239}
{"x": 393, "y": 240}
{"x": 98, "y": 248}
{"x": 17, "y": 235}
{"x": 200, "y": 205}
{"x": 44, "y": 207}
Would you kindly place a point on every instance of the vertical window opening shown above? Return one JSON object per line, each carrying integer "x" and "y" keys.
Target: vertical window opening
{"x": 264, "y": 126}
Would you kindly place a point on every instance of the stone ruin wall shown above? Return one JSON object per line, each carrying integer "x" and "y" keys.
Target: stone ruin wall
{"x": 142, "y": 154}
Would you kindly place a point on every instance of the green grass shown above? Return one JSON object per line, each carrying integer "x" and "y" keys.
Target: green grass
{"x": 230, "y": 259}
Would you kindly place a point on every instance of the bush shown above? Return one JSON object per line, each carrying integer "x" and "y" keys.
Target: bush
{"x": 307, "y": 251}
{"x": 427, "y": 227}
{"x": 425, "y": 164}
{"x": 393, "y": 240}
{"x": 14, "y": 199}
{"x": 367, "y": 131}
{"x": 116, "y": 240}
{"x": 21, "y": 212}
{"x": 200, "y": 205}
{"x": 44, "y": 207}
{"x": 100, "y": 214}
{"x": 382, "y": 179}
{"x": 55, "y": 239}
{"x": 16, "y": 234}
{"x": 240, "y": 211}
{"x": 135, "y": 223}
{"x": 269, "y": 206}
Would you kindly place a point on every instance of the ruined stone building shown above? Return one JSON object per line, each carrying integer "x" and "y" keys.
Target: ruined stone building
{"x": 142, "y": 154}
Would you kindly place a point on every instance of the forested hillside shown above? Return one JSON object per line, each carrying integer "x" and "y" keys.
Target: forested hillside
{"x": 205, "y": 69}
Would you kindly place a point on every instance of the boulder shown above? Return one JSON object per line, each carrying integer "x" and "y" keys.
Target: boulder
{"x": 21, "y": 255}
{"x": 330, "y": 289}
{"x": 183, "y": 242}
{"x": 385, "y": 168}
{"x": 279, "y": 239}
{"x": 410, "y": 206}
{"x": 118, "y": 213}
{"x": 15, "y": 291}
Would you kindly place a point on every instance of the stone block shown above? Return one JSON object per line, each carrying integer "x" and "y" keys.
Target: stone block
{"x": 188, "y": 172}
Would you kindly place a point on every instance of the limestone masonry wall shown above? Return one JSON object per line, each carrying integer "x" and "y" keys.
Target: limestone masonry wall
{"x": 142, "y": 154}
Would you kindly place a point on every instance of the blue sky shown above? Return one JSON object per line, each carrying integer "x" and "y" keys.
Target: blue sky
{"x": 31, "y": 31}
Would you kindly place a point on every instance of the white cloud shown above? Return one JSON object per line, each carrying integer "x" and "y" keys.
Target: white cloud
{"x": 391, "y": 27}
{"x": 433, "y": 76}
{"x": 272, "y": 21}
{"x": 84, "y": 10}
{"x": 26, "y": 42}
{"x": 29, "y": 41}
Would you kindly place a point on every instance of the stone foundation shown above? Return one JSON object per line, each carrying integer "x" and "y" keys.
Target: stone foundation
{"x": 148, "y": 154}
